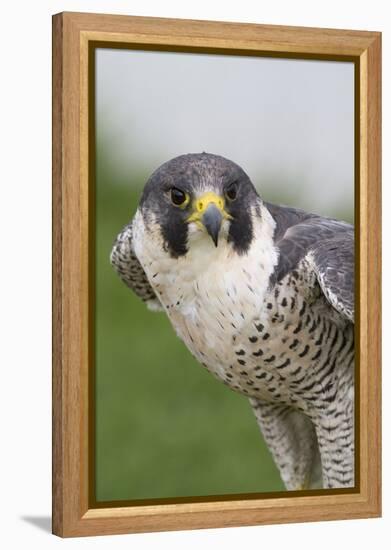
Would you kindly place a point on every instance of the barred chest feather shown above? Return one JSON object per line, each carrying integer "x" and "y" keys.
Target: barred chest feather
{"x": 274, "y": 344}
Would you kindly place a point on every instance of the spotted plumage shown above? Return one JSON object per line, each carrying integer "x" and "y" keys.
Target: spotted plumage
{"x": 262, "y": 295}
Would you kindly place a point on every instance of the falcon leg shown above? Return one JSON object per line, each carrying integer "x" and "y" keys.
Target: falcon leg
{"x": 292, "y": 440}
{"x": 336, "y": 444}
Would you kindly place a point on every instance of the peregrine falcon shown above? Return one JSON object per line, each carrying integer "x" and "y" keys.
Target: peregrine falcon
{"x": 263, "y": 296}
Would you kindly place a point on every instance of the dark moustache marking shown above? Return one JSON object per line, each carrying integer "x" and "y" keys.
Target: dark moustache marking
{"x": 241, "y": 231}
{"x": 175, "y": 233}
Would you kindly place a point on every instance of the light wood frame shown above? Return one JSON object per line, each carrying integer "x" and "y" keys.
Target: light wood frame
{"x": 73, "y": 34}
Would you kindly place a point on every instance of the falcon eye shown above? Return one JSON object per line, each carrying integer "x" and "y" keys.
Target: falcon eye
{"x": 179, "y": 197}
{"x": 232, "y": 191}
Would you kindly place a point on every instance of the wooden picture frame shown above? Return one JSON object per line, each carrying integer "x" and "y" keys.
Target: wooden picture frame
{"x": 75, "y": 35}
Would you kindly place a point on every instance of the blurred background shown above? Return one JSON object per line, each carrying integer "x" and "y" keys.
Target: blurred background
{"x": 164, "y": 426}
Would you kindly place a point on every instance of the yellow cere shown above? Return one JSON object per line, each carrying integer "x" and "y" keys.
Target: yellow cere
{"x": 201, "y": 204}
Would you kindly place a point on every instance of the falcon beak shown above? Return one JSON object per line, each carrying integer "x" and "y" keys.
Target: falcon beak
{"x": 209, "y": 212}
{"x": 211, "y": 220}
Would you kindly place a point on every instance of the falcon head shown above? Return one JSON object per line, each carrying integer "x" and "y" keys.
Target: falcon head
{"x": 200, "y": 198}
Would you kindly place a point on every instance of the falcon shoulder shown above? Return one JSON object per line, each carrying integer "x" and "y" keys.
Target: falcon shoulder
{"x": 328, "y": 247}
{"x": 125, "y": 263}
{"x": 333, "y": 262}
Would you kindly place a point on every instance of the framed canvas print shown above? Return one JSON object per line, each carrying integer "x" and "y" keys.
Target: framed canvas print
{"x": 216, "y": 274}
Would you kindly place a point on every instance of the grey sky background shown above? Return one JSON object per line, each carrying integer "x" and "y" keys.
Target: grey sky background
{"x": 288, "y": 123}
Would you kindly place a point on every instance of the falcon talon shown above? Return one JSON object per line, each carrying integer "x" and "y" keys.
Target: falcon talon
{"x": 202, "y": 239}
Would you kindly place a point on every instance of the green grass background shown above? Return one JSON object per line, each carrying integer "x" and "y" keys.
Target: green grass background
{"x": 164, "y": 426}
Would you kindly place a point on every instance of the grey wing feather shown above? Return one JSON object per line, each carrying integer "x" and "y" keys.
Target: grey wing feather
{"x": 327, "y": 244}
{"x": 129, "y": 269}
{"x": 333, "y": 263}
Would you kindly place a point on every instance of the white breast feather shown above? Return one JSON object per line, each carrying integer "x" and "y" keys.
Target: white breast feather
{"x": 210, "y": 294}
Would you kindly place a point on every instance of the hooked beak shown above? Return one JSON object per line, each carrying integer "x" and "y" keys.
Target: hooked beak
{"x": 211, "y": 220}
{"x": 209, "y": 212}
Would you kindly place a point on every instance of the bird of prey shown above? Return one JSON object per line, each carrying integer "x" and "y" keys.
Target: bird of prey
{"x": 263, "y": 296}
